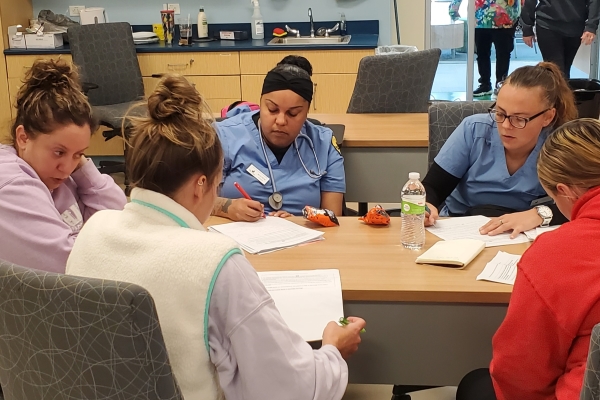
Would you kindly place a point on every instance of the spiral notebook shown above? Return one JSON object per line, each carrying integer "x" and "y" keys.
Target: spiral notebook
{"x": 454, "y": 253}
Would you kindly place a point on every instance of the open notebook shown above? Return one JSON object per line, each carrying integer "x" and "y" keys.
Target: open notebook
{"x": 457, "y": 253}
{"x": 267, "y": 234}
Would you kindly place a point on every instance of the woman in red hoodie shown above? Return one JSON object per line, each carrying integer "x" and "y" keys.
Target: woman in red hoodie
{"x": 540, "y": 350}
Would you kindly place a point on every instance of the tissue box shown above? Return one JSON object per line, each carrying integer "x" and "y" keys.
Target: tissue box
{"x": 17, "y": 41}
{"x": 45, "y": 41}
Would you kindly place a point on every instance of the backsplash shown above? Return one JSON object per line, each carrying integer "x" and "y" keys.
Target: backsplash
{"x": 225, "y": 11}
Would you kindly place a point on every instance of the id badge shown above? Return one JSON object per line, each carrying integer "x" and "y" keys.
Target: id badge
{"x": 257, "y": 174}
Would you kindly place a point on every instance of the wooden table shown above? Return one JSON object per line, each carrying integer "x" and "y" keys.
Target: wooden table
{"x": 379, "y": 151}
{"x": 426, "y": 325}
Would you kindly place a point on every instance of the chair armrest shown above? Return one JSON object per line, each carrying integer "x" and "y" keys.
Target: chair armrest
{"x": 87, "y": 86}
{"x": 158, "y": 76}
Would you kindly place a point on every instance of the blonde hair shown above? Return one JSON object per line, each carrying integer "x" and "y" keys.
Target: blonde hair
{"x": 51, "y": 97}
{"x": 570, "y": 156}
{"x": 175, "y": 140}
{"x": 556, "y": 90}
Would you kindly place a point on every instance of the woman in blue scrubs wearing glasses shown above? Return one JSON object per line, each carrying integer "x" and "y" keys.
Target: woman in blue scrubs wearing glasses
{"x": 282, "y": 161}
{"x": 488, "y": 165}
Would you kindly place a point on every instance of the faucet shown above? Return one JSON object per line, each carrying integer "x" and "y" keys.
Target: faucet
{"x": 293, "y": 31}
{"x": 312, "y": 25}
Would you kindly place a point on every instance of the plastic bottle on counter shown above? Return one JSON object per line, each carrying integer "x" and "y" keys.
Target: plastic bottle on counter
{"x": 258, "y": 29}
{"x": 343, "y": 28}
{"x": 202, "y": 24}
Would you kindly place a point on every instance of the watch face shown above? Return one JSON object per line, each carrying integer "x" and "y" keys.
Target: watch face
{"x": 545, "y": 212}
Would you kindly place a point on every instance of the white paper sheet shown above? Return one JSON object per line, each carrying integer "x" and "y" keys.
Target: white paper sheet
{"x": 267, "y": 234}
{"x": 534, "y": 233}
{"x": 502, "y": 269}
{"x": 468, "y": 228}
{"x": 307, "y": 300}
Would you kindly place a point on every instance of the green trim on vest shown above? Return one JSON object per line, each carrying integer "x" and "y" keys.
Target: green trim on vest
{"x": 169, "y": 214}
{"x": 210, "y": 290}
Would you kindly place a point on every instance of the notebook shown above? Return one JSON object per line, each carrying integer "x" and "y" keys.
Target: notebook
{"x": 267, "y": 234}
{"x": 457, "y": 253}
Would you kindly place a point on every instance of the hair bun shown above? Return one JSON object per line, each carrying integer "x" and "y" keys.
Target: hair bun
{"x": 298, "y": 61}
{"x": 52, "y": 75}
{"x": 174, "y": 97}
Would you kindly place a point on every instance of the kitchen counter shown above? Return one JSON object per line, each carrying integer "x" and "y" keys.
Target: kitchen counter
{"x": 358, "y": 41}
{"x": 363, "y": 34}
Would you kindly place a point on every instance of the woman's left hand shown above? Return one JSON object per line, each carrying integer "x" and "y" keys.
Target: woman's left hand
{"x": 515, "y": 222}
{"x": 587, "y": 38}
{"x": 280, "y": 214}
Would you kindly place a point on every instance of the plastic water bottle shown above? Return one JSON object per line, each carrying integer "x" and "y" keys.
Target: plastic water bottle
{"x": 413, "y": 213}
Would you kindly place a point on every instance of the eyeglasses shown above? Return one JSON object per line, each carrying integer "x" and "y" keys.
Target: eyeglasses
{"x": 515, "y": 120}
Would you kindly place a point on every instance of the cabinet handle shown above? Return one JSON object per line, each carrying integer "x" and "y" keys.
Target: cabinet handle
{"x": 191, "y": 62}
{"x": 314, "y": 96}
{"x": 173, "y": 66}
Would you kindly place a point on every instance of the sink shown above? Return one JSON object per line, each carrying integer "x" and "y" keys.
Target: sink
{"x": 305, "y": 40}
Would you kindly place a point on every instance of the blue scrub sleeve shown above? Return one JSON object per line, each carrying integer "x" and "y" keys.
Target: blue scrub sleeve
{"x": 454, "y": 155}
{"x": 335, "y": 179}
{"x": 226, "y": 156}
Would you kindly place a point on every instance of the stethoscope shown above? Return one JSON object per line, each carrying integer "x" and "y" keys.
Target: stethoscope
{"x": 276, "y": 198}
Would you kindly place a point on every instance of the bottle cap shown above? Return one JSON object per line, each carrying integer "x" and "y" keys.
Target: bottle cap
{"x": 201, "y": 9}
{"x": 414, "y": 176}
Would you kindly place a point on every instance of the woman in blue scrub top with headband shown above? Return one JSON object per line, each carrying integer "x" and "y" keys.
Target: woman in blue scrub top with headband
{"x": 283, "y": 161}
{"x": 488, "y": 165}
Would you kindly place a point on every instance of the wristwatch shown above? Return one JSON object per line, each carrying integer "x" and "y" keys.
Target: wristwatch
{"x": 545, "y": 214}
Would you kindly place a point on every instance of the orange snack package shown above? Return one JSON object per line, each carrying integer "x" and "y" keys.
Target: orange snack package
{"x": 376, "y": 216}
{"x": 324, "y": 217}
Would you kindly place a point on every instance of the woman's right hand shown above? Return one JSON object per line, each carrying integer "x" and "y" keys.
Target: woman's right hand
{"x": 245, "y": 210}
{"x": 432, "y": 216}
{"x": 345, "y": 338}
{"x": 529, "y": 40}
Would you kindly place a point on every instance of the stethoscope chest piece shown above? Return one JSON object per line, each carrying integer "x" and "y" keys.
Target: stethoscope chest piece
{"x": 276, "y": 201}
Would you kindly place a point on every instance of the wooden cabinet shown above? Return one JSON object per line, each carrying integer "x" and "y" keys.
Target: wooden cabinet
{"x": 221, "y": 77}
{"x": 334, "y": 75}
{"x": 206, "y": 63}
{"x": 322, "y": 61}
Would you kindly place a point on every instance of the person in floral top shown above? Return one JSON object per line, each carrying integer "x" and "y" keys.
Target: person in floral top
{"x": 496, "y": 21}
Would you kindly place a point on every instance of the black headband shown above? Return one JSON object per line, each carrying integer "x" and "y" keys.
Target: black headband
{"x": 275, "y": 81}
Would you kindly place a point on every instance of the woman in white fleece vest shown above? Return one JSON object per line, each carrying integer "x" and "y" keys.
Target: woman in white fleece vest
{"x": 224, "y": 335}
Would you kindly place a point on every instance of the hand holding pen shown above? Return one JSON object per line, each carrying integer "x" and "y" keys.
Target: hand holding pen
{"x": 246, "y": 209}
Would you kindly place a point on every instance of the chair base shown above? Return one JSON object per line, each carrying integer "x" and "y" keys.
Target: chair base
{"x": 114, "y": 167}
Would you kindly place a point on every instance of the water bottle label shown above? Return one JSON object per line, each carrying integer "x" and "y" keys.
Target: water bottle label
{"x": 413, "y": 207}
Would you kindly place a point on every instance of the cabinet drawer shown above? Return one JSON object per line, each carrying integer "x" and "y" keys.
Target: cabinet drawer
{"x": 323, "y": 61}
{"x": 211, "y": 87}
{"x": 16, "y": 66}
{"x": 221, "y": 63}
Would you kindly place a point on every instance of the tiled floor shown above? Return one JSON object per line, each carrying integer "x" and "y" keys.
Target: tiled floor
{"x": 384, "y": 392}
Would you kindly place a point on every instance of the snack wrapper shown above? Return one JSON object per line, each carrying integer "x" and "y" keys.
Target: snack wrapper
{"x": 320, "y": 216}
{"x": 376, "y": 216}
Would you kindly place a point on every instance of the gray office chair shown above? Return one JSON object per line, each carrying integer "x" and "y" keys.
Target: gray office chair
{"x": 444, "y": 118}
{"x": 395, "y": 83}
{"x": 111, "y": 76}
{"x": 591, "y": 379}
{"x": 65, "y": 337}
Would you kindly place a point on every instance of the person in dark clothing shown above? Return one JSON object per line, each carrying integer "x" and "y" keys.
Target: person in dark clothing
{"x": 561, "y": 27}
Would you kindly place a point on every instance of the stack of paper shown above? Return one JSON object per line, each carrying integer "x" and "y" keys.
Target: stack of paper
{"x": 534, "y": 233}
{"x": 468, "y": 228}
{"x": 307, "y": 300}
{"x": 267, "y": 234}
{"x": 502, "y": 269}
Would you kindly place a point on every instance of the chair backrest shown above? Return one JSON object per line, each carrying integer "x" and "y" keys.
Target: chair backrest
{"x": 395, "y": 83}
{"x": 591, "y": 379}
{"x": 106, "y": 56}
{"x": 444, "y": 118}
{"x": 78, "y": 338}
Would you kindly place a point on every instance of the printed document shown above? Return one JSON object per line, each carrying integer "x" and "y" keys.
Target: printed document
{"x": 468, "y": 228}
{"x": 267, "y": 234}
{"x": 502, "y": 269}
{"x": 307, "y": 300}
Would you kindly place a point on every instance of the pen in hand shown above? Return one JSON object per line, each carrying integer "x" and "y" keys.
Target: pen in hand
{"x": 243, "y": 192}
{"x": 344, "y": 321}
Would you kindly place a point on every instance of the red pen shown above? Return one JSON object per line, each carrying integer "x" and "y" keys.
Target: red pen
{"x": 243, "y": 192}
